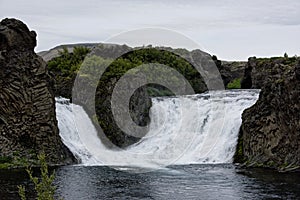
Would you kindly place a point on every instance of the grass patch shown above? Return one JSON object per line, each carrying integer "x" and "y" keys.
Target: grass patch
{"x": 234, "y": 84}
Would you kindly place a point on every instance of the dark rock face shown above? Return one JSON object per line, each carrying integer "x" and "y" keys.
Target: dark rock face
{"x": 139, "y": 105}
{"x": 247, "y": 79}
{"x": 231, "y": 70}
{"x": 16, "y": 36}
{"x": 297, "y": 72}
{"x": 270, "y": 132}
{"x": 259, "y": 71}
{"x": 28, "y": 122}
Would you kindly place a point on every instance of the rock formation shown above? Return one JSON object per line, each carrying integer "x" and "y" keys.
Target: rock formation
{"x": 28, "y": 122}
{"x": 270, "y": 131}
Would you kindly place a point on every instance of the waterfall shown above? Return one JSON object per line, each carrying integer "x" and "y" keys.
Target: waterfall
{"x": 194, "y": 129}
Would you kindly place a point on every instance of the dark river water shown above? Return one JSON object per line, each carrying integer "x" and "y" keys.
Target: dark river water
{"x": 176, "y": 182}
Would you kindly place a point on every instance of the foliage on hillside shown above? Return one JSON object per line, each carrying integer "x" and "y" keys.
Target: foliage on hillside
{"x": 66, "y": 67}
{"x": 68, "y": 62}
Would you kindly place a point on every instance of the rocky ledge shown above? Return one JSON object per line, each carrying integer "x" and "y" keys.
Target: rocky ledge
{"x": 270, "y": 131}
{"x": 28, "y": 122}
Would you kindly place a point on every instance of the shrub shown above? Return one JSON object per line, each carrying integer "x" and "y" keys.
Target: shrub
{"x": 44, "y": 185}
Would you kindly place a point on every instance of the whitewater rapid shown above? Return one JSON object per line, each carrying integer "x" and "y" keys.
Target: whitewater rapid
{"x": 195, "y": 129}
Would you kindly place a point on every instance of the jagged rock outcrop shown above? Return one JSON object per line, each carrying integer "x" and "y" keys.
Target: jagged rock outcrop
{"x": 270, "y": 131}
{"x": 246, "y": 82}
{"x": 28, "y": 122}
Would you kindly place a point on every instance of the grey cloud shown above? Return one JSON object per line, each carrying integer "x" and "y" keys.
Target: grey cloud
{"x": 212, "y": 23}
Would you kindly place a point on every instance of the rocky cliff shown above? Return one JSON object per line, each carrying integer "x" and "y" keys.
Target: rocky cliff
{"x": 270, "y": 131}
{"x": 28, "y": 122}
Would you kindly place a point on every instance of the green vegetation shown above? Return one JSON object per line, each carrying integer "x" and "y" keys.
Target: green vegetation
{"x": 43, "y": 185}
{"x": 67, "y": 62}
{"x": 22, "y": 192}
{"x": 64, "y": 68}
{"x": 234, "y": 84}
{"x": 67, "y": 65}
{"x": 284, "y": 60}
{"x": 161, "y": 65}
{"x": 127, "y": 63}
{"x": 17, "y": 160}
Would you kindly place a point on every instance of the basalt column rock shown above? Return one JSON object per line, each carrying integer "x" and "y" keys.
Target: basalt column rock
{"x": 270, "y": 131}
{"x": 28, "y": 122}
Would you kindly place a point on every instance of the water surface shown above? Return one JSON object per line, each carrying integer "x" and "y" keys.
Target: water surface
{"x": 176, "y": 182}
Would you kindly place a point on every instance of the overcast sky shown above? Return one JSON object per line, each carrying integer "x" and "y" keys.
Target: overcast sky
{"x": 230, "y": 29}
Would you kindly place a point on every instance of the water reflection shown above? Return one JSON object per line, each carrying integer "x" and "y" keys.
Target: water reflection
{"x": 101, "y": 183}
{"x": 177, "y": 182}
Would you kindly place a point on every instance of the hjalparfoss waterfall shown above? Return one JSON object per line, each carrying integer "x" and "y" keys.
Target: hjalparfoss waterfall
{"x": 195, "y": 129}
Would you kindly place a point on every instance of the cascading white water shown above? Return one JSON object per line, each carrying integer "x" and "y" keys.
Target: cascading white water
{"x": 68, "y": 130}
{"x": 193, "y": 129}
